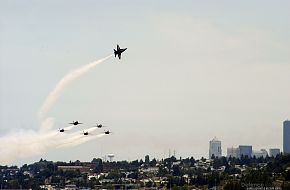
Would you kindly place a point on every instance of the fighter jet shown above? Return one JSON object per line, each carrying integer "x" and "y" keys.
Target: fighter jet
{"x": 75, "y": 123}
{"x": 100, "y": 125}
{"x": 119, "y": 51}
{"x": 86, "y": 133}
{"x": 107, "y": 132}
{"x": 61, "y": 130}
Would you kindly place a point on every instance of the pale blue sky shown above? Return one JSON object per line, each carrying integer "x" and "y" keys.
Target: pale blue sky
{"x": 193, "y": 70}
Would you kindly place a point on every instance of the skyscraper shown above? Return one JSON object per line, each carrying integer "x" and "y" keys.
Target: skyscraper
{"x": 215, "y": 148}
{"x": 286, "y": 137}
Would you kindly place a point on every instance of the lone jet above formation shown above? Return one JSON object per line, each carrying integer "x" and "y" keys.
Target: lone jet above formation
{"x": 119, "y": 51}
{"x": 75, "y": 123}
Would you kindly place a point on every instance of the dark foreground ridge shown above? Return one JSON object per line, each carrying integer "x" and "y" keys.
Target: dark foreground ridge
{"x": 188, "y": 173}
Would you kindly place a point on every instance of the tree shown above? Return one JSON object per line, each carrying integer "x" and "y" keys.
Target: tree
{"x": 147, "y": 160}
{"x": 176, "y": 170}
{"x": 213, "y": 179}
{"x": 113, "y": 175}
{"x": 99, "y": 164}
{"x": 232, "y": 184}
{"x": 13, "y": 184}
{"x": 153, "y": 162}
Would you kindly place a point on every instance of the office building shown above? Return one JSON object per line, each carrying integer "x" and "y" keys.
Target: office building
{"x": 286, "y": 137}
{"x": 233, "y": 152}
{"x": 215, "y": 148}
{"x": 260, "y": 153}
{"x": 245, "y": 150}
{"x": 274, "y": 152}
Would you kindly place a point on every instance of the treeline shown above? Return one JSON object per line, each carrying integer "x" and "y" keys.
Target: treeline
{"x": 229, "y": 173}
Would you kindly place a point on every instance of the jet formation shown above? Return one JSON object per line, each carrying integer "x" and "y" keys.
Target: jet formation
{"x": 84, "y": 132}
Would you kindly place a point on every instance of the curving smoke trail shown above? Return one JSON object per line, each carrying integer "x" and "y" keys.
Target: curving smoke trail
{"x": 27, "y": 143}
{"x": 63, "y": 83}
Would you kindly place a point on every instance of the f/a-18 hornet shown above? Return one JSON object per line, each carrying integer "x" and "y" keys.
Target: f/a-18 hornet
{"x": 61, "y": 130}
{"x": 119, "y": 51}
{"x": 100, "y": 125}
{"x": 75, "y": 123}
{"x": 107, "y": 132}
{"x": 85, "y": 132}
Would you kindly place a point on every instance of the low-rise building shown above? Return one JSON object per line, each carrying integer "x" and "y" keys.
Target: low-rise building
{"x": 82, "y": 169}
{"x": 274, "y": 152}
{"x": 245, "y": 150}
{"x": 260, "y": 153}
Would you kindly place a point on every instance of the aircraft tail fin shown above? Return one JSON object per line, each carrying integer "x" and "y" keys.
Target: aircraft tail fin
{"x": 115, "y": 52}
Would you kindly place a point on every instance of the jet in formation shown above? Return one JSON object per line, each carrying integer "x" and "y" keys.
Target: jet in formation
{"x": 100, "y": 125}
{"x": 61, "y": 130}
{"x": 86, "y": 133}
{"x": 119, "y": 51}
{"x": 75, "y": 123}
{"x": 107, "y": 132}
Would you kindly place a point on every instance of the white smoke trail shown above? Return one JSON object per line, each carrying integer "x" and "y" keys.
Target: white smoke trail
{"x": 23, "y": 143}
{"x": 63, "y": 83}
{"x": 69, "y": 128}
{"x": 78, "y": 135}
{"x": 90, "y": 130}
{"x": 80, "y": 140}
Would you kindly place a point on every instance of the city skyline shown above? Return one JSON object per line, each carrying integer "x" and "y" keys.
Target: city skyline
{"x": 192, "y": 71}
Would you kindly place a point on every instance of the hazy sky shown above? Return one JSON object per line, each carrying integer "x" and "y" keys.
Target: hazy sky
{"x": 193, "y": 70}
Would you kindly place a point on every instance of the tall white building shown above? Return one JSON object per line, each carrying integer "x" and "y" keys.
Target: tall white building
{"x": 215, "y": 148}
